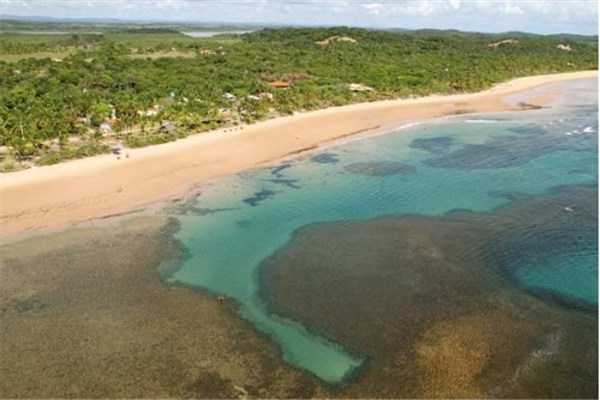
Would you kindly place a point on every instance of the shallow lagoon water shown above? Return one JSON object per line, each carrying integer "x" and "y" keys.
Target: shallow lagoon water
{"x": 429, "y": 170}
{"x": 571, "y": 275}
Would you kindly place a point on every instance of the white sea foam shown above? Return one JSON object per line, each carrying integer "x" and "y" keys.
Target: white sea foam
{"x": 409, "y": 125}
{"x": 538, "y": 356}
{"x": 589, "y": 129}
{"x": 371, "y": 134}
{"x": 481, "y": 121}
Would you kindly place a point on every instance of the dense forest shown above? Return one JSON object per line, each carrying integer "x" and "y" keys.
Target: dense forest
{"x": 66, "y": 96}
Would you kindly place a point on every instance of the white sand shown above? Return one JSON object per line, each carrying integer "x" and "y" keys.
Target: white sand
{"x": 98, "y": 186}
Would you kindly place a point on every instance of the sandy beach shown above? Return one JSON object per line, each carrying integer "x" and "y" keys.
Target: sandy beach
{"x": 53, "y": 196}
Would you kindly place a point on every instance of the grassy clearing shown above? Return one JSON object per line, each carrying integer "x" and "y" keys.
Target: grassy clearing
{"x": 162, "y": 54}
{"x": 149, "y": 40}
{"x": 19, "y": 57}
{"x": 26, "y": 39}
{"x": 221, "y": 40}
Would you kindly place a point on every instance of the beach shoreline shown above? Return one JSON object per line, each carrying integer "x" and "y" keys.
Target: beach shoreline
{"x": 97, "y": 187}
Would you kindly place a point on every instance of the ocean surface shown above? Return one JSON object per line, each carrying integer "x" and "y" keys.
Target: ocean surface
{"x": 507, "y": 201}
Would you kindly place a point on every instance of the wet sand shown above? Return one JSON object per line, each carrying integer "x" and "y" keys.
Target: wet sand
{"x": 99, "y": 186}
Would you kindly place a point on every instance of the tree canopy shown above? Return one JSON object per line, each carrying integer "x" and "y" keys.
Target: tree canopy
{"x": 140, "y": 79}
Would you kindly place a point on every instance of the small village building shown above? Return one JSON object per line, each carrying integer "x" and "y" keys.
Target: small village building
{"x": 168, "y": 127}
{"x": 357, "y": 87}
{"x": 266, "y": 95}
{"x": 279, "y": 84}
{"x": 229, "y": 96}
{"x": 252, "y": 97}
{"x": 208, "y": 120}
{"x": 105, "y": 128}
{"x": 226, "y": 115}
{"x": 148, "y": 113}
{"x": 151, "y": 112}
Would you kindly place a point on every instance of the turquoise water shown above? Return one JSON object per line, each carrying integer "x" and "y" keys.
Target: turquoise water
{"x": 572, "y": 275}
{"x": 472, "y": 163}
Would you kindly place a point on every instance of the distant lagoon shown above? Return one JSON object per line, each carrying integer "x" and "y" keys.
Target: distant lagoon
{"x": 203, "y": 34}
{"x": 196, "y": 34}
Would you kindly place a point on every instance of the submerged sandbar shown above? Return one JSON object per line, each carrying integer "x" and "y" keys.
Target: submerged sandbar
{"x": 85, "y": 313}
{"x": 434, "y": 303}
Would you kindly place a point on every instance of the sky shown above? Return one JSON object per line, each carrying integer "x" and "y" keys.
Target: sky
{"x": 538, "y": 16}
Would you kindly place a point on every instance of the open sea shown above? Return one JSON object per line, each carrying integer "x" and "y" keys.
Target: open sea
{"x": 461, "y": 249}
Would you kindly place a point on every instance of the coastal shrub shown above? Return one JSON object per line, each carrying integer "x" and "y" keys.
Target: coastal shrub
{"x": 8, "y": 166}
{"x": 43, "y": 99}
{"x": 135, "y": 141}
{"x": 54, "y": 157}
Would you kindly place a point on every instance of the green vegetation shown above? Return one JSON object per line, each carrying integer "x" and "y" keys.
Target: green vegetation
{"x": 141, "y": 80}
{"x": 86, "y": 150}
{"x": 42, "y": 54}
{"x": 116, "y": 25}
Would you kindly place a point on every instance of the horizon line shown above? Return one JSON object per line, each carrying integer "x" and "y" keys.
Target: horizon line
{"x": 116, "y": 21}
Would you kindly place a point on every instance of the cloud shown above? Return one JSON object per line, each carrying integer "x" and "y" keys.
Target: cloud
{"x": 454, "y": 4}
{"x": 373, "y": 8}
{"x": 421, "y": 8}
{"x": 512, "y": 9}
{"x": 542, "y": 16}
